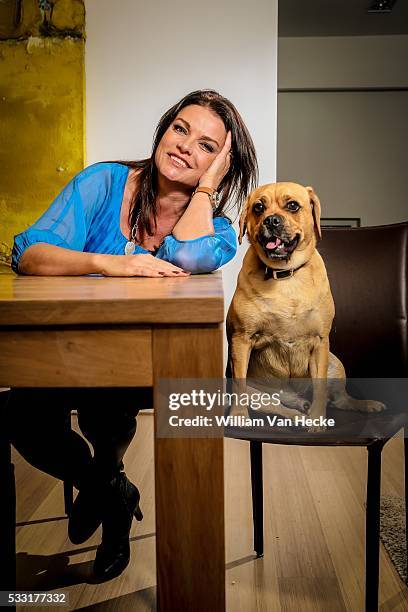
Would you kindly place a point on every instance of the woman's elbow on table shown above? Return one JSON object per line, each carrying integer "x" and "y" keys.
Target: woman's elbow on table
{"x": 200, "y": 256}
{"x": 202, "y": 264}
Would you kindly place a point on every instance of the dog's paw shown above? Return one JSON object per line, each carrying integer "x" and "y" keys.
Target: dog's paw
{"x": 316, "y": 429}
{"x": 306, "y": 406}
{"x": 280, "y": 411}
{"x": 295, "y": 402}
{"x": 238, "y": 410}
{"x": 317, "y": 423}
{"x": 371, "y": 406}
{"x": 375, "y": 406}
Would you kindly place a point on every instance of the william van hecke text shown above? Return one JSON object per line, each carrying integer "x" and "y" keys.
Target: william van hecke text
{"x": 243, "y": 421}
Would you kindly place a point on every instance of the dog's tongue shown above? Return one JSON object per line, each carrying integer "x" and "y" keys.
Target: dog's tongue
{"x": 272, "y": 245}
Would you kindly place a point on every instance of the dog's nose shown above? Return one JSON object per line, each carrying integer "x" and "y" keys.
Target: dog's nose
{"x": 273, "y": 222}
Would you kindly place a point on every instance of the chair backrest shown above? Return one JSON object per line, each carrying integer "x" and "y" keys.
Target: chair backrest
{"x": 367, "y": 269}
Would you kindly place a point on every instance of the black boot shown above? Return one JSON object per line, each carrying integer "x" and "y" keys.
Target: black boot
{"x": 113, "y": 554}
{"x": 87, "y": 510}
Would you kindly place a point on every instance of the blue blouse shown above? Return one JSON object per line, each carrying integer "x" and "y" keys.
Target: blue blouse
{"x": 85, "y": 216}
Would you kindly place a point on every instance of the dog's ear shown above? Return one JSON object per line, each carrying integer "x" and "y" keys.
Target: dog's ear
{"x": 316, "y": 209}
{"x": 242, "y": 222}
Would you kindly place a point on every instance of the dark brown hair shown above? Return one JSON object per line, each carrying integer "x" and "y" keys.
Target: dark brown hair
{"x": 240, "y": 179}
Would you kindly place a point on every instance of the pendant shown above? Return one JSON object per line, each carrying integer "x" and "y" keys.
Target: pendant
{"x": 130, "y": 248}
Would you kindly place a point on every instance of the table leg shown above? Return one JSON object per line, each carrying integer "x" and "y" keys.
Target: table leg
{"x": 7, "y": 507}
{"x": 190, "y": 546}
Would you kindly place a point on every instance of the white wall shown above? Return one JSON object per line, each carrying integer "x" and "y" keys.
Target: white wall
{"x": 352, "y": 148}
{"x": 350, "y": 145}
{"x": 345, "y": 61}
{"x": 142, "y": 57}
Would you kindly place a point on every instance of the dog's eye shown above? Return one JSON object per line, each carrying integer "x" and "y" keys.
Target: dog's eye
{"x": 292, "y": 206}
{"x": 258, "y": 208}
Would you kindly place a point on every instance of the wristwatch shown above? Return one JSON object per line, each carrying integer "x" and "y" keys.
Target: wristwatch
{"x": 215, "y": 197}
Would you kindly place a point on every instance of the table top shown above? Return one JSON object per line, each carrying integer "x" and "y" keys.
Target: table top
{"x": 76, "y": 300}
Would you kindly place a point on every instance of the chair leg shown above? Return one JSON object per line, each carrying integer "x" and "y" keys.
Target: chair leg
{"x": 7, "y": 520}
{"x": 7, "y": 508}
{"x": 257, "y": 496}
{"x": 68, "y": 486}
{"x": 406, "y": 492}
{"x": 373, "y": 526}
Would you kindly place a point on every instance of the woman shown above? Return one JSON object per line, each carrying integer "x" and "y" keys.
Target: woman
{"x": 161, "y": 216}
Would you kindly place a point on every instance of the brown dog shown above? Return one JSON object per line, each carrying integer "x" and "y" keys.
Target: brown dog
{"x": 279, "y": 320}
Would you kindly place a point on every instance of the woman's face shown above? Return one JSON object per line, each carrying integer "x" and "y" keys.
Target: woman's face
{"x": 190, "y": 144}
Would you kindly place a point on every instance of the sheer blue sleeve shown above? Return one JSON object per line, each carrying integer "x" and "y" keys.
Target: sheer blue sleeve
{"x": 66, "y": 222}
{"x": 204, "y": 254}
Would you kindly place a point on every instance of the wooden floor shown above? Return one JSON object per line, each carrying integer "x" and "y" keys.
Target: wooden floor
{"x": 314, "y": 533}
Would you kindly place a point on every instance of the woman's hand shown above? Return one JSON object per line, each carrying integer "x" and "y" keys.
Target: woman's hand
{"x": 48, "y": 260}
{"x": 197, "y": 220}
{"x": 137, "y": 265}
{"x": 213, "y": 176}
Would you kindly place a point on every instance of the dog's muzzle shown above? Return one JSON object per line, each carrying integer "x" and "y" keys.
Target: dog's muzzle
{"x": 275, "y": 240}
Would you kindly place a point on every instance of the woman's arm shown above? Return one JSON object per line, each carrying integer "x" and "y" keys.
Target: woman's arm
{"x": 204, "y": 254}
{"x": 197, "y": 220}
{"x": 48, "y": 260}
{"x": 43, "y": 259}
{"x": 56, "y": 244}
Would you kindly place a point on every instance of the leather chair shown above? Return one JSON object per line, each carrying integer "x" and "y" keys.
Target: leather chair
{"x": 367, "y": 272}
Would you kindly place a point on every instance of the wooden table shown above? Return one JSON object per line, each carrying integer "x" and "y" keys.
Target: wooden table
{"x": 93, "y": 331}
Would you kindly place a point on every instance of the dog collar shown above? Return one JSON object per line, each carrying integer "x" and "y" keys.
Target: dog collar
{"x": 280, "y": 274}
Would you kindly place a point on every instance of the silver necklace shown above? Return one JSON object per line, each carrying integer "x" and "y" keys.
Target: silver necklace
{"x": 131, "y": 244}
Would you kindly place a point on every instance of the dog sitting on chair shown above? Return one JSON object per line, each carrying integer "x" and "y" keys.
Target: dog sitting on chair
{"x": 280, "y": 317}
